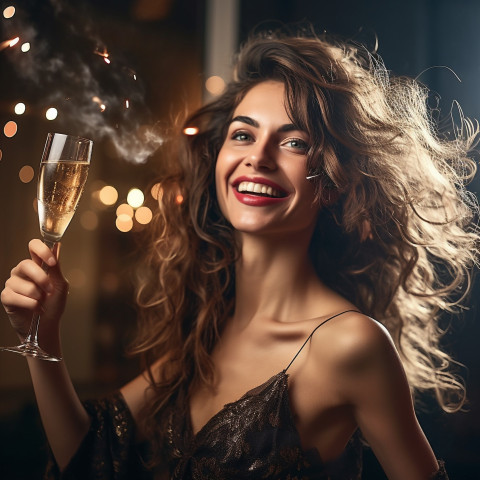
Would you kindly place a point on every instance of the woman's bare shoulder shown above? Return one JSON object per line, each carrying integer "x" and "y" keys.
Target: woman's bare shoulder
{"x": 351, "y": 339}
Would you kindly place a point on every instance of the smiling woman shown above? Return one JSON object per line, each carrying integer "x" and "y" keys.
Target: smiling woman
{"x": 289, "y": 302}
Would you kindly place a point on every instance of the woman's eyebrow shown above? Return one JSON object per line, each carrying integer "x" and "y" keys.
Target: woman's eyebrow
{"x": 288, "y": 127}
{"x": 248, "y": 120}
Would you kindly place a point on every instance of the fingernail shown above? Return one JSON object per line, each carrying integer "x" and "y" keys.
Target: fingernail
{"x": 51, "y": 261}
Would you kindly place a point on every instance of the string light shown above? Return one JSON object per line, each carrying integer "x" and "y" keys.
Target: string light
{"x": 20, "y": 108}
{"x": 108, "y": 195}
{"x": 124, "y": 209}
{"x": 190, "y": 130}
{"x": 14, "y": 41}
{"x": 9, "y": 12}
{"x": 143, "y": 215}
{"x": 124, "y": 223}
{"x": 10, "y": 129}
{"x": 215, "y": 85}
{"x": 26, "y": 174}
{"x": 25, "y": 47}
{"x": 51, "y": 113}
{"x": 135, "y": 198}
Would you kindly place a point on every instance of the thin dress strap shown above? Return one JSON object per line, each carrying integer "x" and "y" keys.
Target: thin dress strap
{"x": 314, "y": 330}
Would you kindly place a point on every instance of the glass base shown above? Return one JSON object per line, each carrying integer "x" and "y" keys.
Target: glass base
{"x": 30, "y": 349}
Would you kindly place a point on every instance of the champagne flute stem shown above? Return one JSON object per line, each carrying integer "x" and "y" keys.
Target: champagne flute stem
{"x": 32, "y": 336}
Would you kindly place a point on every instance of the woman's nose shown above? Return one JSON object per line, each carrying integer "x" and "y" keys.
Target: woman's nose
{"x": 261, "y": 156}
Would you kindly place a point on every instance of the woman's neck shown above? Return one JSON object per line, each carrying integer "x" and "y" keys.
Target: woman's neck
{"x": 274, "y": 279}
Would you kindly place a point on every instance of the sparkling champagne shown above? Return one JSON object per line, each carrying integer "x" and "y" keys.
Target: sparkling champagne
{"x": 60, "y": 185}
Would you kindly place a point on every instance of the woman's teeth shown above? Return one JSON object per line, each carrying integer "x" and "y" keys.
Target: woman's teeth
{"x": 258, "y": 189}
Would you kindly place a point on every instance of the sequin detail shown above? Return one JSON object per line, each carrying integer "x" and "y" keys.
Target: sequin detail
{"x": 254, "y": 437}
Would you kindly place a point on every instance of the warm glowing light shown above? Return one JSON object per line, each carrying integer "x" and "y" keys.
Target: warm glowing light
{"x": 156, "y": 191}
{"x": 135, "y": 198}
{"x": 96, "y": 100}
{"x": 127, "y": 104}
{"x": 76, "y": 277}
{"x": 51, "y": 113}
{"x": 190, "y": 131}
{"x": 25, "y": 47}
{"x": 89, "y": 220}
{"x": 143, "y": 215}
{"x": 110, "y": 282}
{"x": 215, "y": 85}
{"x": 26, "y": 174}
{"x": 9, "y": 12}
{"x": 124, "y": 209}
{"x": 134, "y": 76}
{"x": 179, "y": 198}
{"x": 107, "y": 60}
{"x": 10, "y": 129}
{"x": 108, "y": 195}
{"x": 124, "y": 223}
{"x": 20, "y": 108}
{"x": 14, "y": 41}
{"x": 102, "y": 107}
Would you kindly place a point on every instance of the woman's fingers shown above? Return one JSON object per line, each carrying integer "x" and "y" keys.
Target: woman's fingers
{"x": 41, "y": 253}
{"x": 29, "y": 271}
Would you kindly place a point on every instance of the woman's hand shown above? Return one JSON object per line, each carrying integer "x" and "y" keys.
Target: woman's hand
{"x": 30, "y": 289}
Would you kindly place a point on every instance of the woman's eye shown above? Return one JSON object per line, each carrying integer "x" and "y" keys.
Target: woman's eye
{"x": 241, "y": 136}
{"x": 297, "y": 144}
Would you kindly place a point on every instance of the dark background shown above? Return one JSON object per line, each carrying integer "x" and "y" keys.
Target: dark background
{"x": 163, "y": 43}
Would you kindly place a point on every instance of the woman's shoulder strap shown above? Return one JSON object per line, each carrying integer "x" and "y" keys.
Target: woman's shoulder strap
{"x": 314, "y": 330}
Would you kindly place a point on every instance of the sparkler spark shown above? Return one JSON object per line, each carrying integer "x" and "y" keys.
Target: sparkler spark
{"x": 9, "y": 43}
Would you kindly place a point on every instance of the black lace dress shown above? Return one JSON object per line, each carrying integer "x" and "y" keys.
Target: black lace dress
{"x": 254, "y": 437}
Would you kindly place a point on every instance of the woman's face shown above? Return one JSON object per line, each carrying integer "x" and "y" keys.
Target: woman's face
{"x": 262, "y": 166}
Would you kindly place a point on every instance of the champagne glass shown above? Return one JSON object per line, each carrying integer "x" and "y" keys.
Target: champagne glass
{"x": 61, "y": 179}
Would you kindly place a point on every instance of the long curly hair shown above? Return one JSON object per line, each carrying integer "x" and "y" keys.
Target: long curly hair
{"x": 396, "y": 236}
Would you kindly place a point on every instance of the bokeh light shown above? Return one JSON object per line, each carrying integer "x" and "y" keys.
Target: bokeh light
{"x": 215, "y": 85}
{"x": 135, "y": 198}
{"x": 190, "y": 131}
{"x": 108, "y": 195}
{"x": 179, "y": 198}
{"x": 20, "y": 108}
{"x": 26, "y": 174}
{"x": 25, "y": 47}
{"x": 14, "y": 41}
{"x": 143, "y": 215}
{"x": 110, "y": 282}
{"x": 9, "y": 12}
{"x": 51, "y": 113}
{"x": 124, "y": 209}
{"x": 89, "y": 220}
{"x": 10, "y": 129}
{"x": 76, "y": 277}
{"x": 155, "y": 191}
{"x": 124, "y": 223}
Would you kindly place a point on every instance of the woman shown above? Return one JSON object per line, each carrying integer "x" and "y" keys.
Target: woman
{"x": 317, "y": 196}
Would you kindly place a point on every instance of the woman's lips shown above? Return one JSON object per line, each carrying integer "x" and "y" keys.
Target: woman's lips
{"x": 257, "y": 191}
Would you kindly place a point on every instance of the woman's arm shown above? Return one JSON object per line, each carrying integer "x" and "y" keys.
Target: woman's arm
{"x": 373, "y": 380}
{"x": 28, "y": 290}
